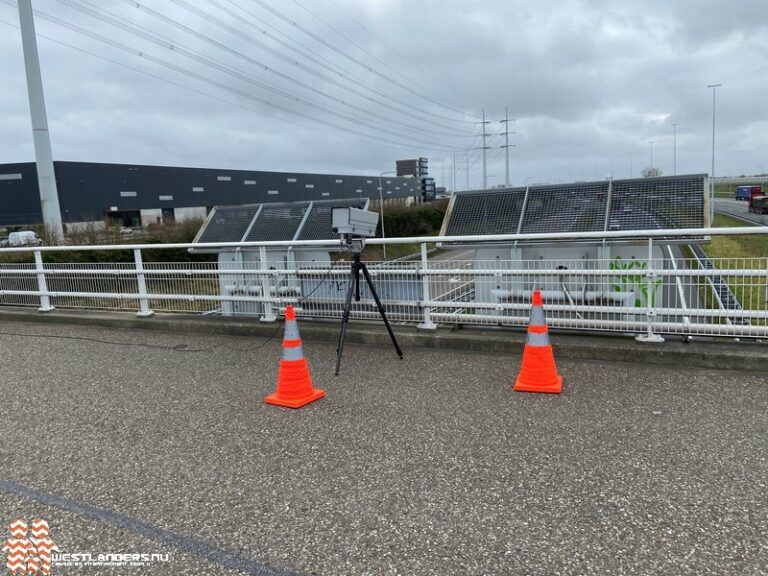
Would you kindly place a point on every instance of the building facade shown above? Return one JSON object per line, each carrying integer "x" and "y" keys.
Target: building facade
{"x": 140, "y": 195}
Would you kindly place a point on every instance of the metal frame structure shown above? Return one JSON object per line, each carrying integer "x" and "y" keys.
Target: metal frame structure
{"x": 430, "y": 290}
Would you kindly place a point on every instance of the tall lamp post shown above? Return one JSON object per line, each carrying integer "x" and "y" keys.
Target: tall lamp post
{"x": 381, "y": 207}
{"x": 652, "y": 142}
{"x": 674, "y": 147}
{"x": 714, "y": 88}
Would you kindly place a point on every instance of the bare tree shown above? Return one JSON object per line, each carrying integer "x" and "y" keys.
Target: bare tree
{"x": 651, "y": 172}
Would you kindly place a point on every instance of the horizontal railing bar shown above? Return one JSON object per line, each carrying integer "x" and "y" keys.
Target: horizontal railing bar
{"x": 490, "y": 272}
{"x": 628, "y": 326}
{"x": 633, "y": 235}
{"x": 622, "y": 310}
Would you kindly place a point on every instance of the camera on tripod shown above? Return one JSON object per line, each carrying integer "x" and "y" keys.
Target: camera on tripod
{"x": 354, "y": 226}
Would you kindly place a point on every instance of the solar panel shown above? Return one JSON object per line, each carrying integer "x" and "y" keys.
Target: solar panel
{"x": 566, "y": 208}
{"x": 228, "y": 224}
{"x": 486, "y": 213}
{"x": 277, "y": 222}
{"x": 638, "y": 204}
{"x": 318, "y": 224}
{"x": 657, "y": 203}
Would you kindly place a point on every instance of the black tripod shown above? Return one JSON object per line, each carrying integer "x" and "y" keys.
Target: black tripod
{"x": 354, "y": 284}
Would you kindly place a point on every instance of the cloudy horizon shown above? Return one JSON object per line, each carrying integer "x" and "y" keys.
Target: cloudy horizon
{"x": 337, "y": 86}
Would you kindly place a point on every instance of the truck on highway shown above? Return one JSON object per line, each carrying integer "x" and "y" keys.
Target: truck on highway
{"x": 758, "y": 204}
{"x": 746, "y": 192}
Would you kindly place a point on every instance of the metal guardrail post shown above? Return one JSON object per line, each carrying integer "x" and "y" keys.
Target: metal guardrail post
{"x": 427, "y": 324}
{"x": 42, "y": 286}
{"x": 650, "y": 313}
{"x": 141, "y": 280}
{"x": 266, "y": 287}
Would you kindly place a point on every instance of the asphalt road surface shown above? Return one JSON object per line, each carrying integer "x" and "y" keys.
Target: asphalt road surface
{"x": 739, "y": 209}
{"x": 132, "y": 443}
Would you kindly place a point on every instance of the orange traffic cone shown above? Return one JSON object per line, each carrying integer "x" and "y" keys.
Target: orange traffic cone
{"x": 294, "y": 385}
{"x": 538, "y": 372}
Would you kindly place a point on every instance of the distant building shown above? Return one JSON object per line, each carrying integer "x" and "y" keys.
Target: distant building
{"x": 139, "y": 195}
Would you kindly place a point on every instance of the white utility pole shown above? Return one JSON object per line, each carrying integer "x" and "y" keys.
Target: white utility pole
{"x": 714, "y": 92}
{"x": 485, "y": 168}
{"x": 712, "y": 174}
{"x": 506, "y": 146}
{"x": 651, "y": 142}
{"x": 674, "y": 147}
{"x": 46, "y": 178}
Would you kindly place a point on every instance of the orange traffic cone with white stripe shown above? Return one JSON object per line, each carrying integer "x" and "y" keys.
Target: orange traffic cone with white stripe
{"x": 538, "y": 372}
{"x": 294, "y": 385}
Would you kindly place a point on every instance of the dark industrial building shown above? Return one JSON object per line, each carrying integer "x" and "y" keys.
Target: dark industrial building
{"x": 141, "y": 195}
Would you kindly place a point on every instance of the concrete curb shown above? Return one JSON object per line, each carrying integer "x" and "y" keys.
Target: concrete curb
{"x": 610, "y": 348}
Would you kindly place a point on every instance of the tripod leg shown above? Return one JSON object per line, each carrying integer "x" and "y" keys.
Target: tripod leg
{"x": 356, "y": 267}
{"x": 345, "y": 316}
{"x": 364, "y": 268}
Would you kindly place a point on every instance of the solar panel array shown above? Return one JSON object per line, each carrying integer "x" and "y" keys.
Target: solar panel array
{"x": 486, "y": 213}
{"x": 566, "y": 208}
{"x": 277, "y": 222}
{"x": 657, "y": 203}
{"x": 228, "y": 224}
{"x": 318, "y": 224}
{"x": 273, "y": 222}
{"x": 638, "y": 204}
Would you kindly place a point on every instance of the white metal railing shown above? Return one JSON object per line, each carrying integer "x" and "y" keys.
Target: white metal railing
{"x": 670, "y": 293}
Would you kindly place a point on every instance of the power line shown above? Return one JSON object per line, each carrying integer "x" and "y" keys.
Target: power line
{"x": 392, "y": 48}
{"x": 175, "y": 23}
{"x": 363, "y": 65}
{"x": 362, "y": 49}
{"x": 200, "y": 77}
{"x": 313, "y": 56}
{"x": 198, "y": 57}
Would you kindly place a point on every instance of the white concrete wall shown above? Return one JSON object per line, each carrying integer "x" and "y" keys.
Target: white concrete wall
{"x": 79, "y": 226}
{"x": 193, "y": 213}
{"x": 151, "y": 216}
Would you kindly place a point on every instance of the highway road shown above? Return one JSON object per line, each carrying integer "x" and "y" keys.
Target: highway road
{"x": 739, "y": 209}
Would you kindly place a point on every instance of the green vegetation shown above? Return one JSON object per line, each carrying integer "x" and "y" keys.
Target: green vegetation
{"x": 109, "y": 233}
{"x": 725, "y": 191}
{"x": 402, "y": 222}
{"x": 420, "y": 220}
{"x": 735, "y": 246}
{"x": 751, "y": 252}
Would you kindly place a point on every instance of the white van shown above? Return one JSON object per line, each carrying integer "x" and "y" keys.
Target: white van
{"x": 23, "y": 238}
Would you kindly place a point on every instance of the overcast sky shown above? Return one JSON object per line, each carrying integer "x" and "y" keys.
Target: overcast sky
{"x": 349, "y": 86}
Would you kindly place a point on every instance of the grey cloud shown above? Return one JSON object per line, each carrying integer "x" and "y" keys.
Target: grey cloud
{"x": 589, "y": 81}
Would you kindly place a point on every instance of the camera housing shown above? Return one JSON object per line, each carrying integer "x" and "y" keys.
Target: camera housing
{"x": 354, "y": 222}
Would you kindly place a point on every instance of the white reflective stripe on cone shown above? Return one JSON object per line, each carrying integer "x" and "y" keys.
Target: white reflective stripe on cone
{"x": 295, "y": 353}
{"x": 291, "y": 330}
{"x": 537, "y": 316}
{"x": 537, "y": 340}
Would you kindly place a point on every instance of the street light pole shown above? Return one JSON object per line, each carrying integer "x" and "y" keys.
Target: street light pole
{"x": 714, "y": 88}
{"x": 674, "y": 147}
{"x": 651, "y": 142}
{"x": 381, "y": 208}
